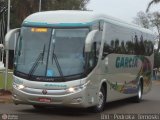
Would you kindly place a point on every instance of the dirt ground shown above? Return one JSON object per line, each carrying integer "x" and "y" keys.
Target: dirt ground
{"x": 5, "y": 96}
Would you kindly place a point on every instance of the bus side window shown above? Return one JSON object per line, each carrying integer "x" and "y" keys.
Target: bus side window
{"x": 98, "y": 46}
{"x": 107, "y": 49}
{"x": 97, "y": 43}
{"x": 92, "y": 57}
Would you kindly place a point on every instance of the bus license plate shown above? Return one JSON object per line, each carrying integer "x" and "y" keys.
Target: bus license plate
{"x": 46, "y": 100}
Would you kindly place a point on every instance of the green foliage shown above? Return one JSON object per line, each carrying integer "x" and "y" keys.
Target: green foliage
{"x": 156, "y": 60}
{"x": 2, "y": 3}
{"x": 9, "y": 82}
{"x": 150, "y": 20}
{"x": 64, "y": 4}
{"x": 22, "y": 8}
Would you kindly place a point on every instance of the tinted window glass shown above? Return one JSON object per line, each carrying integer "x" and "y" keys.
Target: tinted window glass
{"x": 122, "y": 40}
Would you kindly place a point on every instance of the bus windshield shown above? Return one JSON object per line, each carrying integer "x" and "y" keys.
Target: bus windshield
{"x": 47, "y": 52}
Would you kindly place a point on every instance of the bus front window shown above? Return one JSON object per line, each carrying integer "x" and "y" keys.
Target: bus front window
{"x": 46, "y": 52}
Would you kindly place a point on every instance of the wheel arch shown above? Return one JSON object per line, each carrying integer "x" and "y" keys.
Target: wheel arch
{"x": 104, "y": 84}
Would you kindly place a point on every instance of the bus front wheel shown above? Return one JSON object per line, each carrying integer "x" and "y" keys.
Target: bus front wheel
{"x": 101, "y": 100}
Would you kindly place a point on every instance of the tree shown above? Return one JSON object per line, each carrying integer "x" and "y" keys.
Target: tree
{"x": 2, "y": 5}
{"x": 27, "y": 7}
{"x": 155, "y": 22}
{"x": 152, "y": 2}
{"x": 123, "y": 49}
{"x": 117, "y": 45}
{"x": 3, "y": 20}
{"x": 156, "y": 60}
{"x": 142, "y": 20}
{"x": 137, "y": 48}
{"x": 149, "y": 20}
{"x": 130, "y": 47}
{"x": 64, "y": 4}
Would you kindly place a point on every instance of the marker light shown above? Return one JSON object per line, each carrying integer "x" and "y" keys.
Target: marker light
{"x": 40, "y": 30}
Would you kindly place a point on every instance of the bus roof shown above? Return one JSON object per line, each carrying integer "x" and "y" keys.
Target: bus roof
{"x": 75, "y": 18}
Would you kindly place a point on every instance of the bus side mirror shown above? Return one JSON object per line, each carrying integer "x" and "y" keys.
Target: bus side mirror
{"x": 10, "y": 39}
{"x": 89, "y": 40}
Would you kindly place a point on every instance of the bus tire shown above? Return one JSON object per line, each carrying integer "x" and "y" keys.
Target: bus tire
{"x": 101, "y": 101}
{"x": 138, "y": 97}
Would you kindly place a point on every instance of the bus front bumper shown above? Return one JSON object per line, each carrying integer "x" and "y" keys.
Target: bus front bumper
{"x": 76, "y": 99}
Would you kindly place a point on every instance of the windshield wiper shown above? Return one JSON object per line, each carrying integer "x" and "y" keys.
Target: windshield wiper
{"x": 35, "y": 65}
{"x": 43, "y": 52}
{"x": 57, "y": 63}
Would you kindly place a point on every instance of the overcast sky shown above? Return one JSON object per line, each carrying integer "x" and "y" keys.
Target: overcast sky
{"x": 122, "y": 9}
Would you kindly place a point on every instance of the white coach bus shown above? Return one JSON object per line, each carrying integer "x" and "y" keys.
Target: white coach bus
{"x": 80, "y": 59}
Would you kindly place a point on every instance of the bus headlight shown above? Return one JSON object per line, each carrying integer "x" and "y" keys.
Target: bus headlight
{"x": 20, "y": 87}
{"x": 74, "y": 89}
{"x": 77, "y": 88}
{"x": 71, "y": 89}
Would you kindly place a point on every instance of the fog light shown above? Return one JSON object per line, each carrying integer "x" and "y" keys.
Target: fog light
{"x": 77, "y": 100}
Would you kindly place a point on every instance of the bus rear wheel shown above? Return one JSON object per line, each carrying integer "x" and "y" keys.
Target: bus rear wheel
{"x": 101, "y": 101}
{"x": 138, "y": 97}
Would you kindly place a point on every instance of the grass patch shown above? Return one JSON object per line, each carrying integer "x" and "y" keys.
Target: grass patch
{"x": 9, "y": 82}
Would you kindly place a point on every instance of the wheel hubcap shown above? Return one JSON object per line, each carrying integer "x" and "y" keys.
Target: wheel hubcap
{"x": 140, "y": 92}
{"x": 101, "y": 99}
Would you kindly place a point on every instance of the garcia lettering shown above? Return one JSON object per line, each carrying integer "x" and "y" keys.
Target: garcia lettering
{"x": 126, "y": 62}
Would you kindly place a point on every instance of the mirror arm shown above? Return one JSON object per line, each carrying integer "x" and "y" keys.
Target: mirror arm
{"x": 8, "y": 37}
{"x": 89, "y": 40}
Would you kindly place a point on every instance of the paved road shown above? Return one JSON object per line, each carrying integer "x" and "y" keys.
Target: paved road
{"x": 150, "y": 104}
